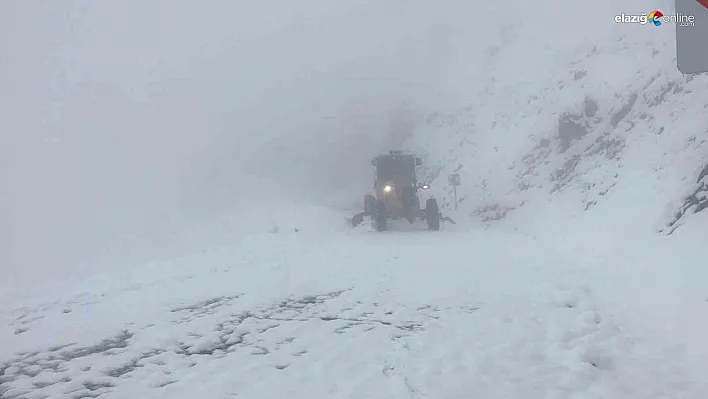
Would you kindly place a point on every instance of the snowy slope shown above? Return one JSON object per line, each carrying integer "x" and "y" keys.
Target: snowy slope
{"x": 576, "y": 139}
{"x": 587, "y": 127}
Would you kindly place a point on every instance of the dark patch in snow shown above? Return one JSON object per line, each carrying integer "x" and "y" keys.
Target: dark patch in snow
{"x": 55, "y": 360}
{"x": 125, "y": 369}
{"x": 85, "y": 393}
{"x": 492, "y": 212}
{"x": 97, "y": 385}
{"x": 469, "y": 309}
{"x": 118, "y": 341}
{"x": 59, "y": 347}
{"x": 591, "y": 107}
{"x": 607, "y": 145}
{"x": 573, "y": 127}
{"x": 671, "y": 87}
{"x": 535, "y": 158}
{"x": 42, "y": 384}
{"x": 565, "y": 174}
{"x": 344, "y": 328}
{"x": 207, "y": 306}
{"x": 266, "y": 328}
{"x": 570, "y": 129}
{"x": 623, "y": 112}
{"x": 260, "y": 351}
{"x": 696, "y": 202}
{"x": 231, "y": 334}
{"x": 599, "y": 361}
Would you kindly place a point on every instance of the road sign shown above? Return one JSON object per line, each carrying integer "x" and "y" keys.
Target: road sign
{"x": 691, "y": 36}
{"x": 453, "y": 179}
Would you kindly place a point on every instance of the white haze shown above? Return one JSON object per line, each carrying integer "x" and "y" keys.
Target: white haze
{"x": 125, "y": 122}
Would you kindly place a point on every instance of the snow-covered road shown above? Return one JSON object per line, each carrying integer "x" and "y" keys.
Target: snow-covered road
{"x": 352, "y": 314}
{"x": 231, "y": 139}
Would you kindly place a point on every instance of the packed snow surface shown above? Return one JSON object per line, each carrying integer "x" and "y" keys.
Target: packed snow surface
{"x": 361, "y": 314}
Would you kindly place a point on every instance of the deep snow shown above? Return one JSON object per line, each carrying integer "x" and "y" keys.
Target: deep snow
{"x": 221, "y": 265}
{"x": 362, "y": 314}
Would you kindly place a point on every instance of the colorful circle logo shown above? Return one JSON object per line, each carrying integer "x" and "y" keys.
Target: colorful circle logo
{"x": 655, "y": 17}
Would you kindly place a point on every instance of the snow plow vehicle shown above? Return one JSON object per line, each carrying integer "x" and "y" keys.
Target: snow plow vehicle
{"x": 396, "y": 194}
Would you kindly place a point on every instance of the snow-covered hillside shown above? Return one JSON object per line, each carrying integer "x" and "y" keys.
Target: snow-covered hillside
{"x": 177, "y": 193}
{"x": 597, "y": 126}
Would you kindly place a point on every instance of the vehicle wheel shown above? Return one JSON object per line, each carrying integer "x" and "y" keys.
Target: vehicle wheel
{"x": 369, "y": 204}
{"x": 380, "y": 217}
{"x": 432, "y": 214}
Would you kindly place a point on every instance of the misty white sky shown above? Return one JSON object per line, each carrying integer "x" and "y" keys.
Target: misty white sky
{"x": 124, "y": 122}
{"x": 130, "y": 118}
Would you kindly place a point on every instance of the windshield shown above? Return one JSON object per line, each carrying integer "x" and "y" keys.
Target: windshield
{"x": 388, "y": 168}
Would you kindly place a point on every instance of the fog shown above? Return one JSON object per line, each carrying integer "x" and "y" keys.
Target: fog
{"x": 124, "y": 122}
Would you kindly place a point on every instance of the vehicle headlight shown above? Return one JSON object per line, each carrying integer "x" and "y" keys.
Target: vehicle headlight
{"x": 387, "y": 188}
